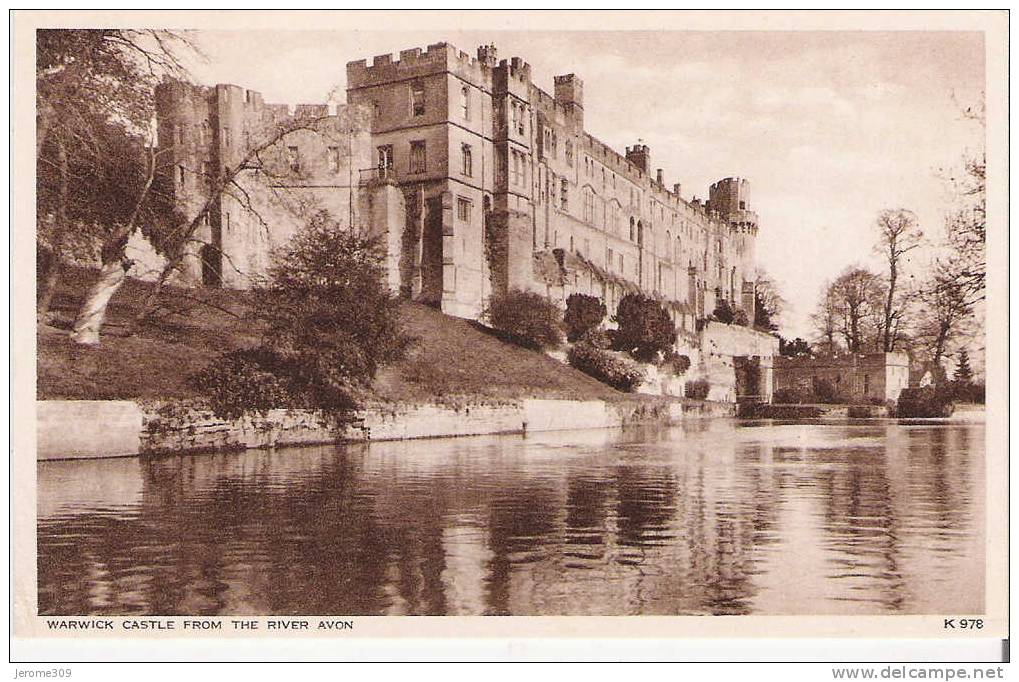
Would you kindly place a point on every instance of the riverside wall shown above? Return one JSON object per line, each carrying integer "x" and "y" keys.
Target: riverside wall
{"x": 79, "y": 429}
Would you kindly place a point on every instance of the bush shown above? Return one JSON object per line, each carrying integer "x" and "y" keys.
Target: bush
{"x": 925, "y": 402}
{"x": 528, "y": 319}
{"x": 329, "y": 322}
{"x": 724, "y": 312}
{"x": 698, "y": 389}
{"x": 791, "y": 396}
{"x": 827, "y": 393}
{"x": 966, "y": 392}
{"x": 250, "y": 381}
{"x": 598, "y": 338}
{"x": 645, "y": 327}
{"x": 741, "y": 318}
{"x": 676, "y": 363}
{"x": 602, "y": 365}
{"x": 583, "y": 314}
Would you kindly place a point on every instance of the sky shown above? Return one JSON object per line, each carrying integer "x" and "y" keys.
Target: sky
{"x": 829, "y": 128}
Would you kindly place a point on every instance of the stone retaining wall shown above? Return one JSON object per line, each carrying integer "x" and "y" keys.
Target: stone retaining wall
{"x": 81, "y": 429}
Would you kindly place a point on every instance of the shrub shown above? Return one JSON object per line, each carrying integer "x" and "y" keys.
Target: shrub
{"x": 966, "y": 392}
{"x": 741, "y": 318}
{"x": 827, "y": 393}
{"x": 248, "y": 381}
{"x": 597, "y": 338}
{"x": 583, "y": 314}
{"x": 528, "y": 319}
{"x": 924, "y": 402}
{"x": 645, "y": 327}
{"x": 791, "y": 396}
{"x": 602, "y": 365}
{"x": 676, "y": 363}
{"x": 724, "y": 312}
{"x": 329, "y": 322}
{"x": 698, "y": 389}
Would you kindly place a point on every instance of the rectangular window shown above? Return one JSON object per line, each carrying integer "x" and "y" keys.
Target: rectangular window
{"x": 417, "y": 99}
{"x": 466, "y": 162}
{"x": 515, "y": 168}
{"x": 608, "y": 258}
{"x": 226, "y": 136}
{"x": 293, "y": 159}
{"x": 334, "y": 159}
{"x": 564, "y": 197}
{"x": 207, "y": 170}
{"x": 521, "y": 120}
{"x": 180, "y": 175}
{"x": 418, "y": 161}
{"x": 515, "y": 113}
{"x": 180, "y": 134}
{"x": 622, "y": 265}
{"x": 463, "y": 210}
{"x": 465, "y": 102}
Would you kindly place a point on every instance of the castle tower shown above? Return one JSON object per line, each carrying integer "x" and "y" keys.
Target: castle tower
{"x": 569, "y": 91}
{"x": 730, "y": 198}
{"x": 433, "y": 134}
{"x": 511, "y": 225}
{"x": 640, "y": 156}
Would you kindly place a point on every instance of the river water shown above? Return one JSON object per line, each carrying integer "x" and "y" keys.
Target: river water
{"x": 709, "y": 517}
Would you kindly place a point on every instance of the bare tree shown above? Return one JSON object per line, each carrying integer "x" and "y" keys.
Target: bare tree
{"x": 225, "y": 182}
{"x": 899, "y": 233}
{"x": 825, "y": 320}
{"x": 855, "y": 297}
{"x": 943, "y": 318}
{"x": 769, "y": 303}
{"x": 86, "y": 80}
{"x": 967, "y": 224}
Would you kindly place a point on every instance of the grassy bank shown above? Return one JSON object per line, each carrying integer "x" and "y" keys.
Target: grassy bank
{"x": 450, "y": 357}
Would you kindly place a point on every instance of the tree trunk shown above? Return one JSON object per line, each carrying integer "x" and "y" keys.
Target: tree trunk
{"x": 114, "y": 270}
{"x": 892, "y": 276}
{"x": 60, "y": 230}
{"x": 93, "y": 313}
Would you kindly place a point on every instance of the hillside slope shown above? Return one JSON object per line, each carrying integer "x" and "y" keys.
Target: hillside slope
{"x": 450, "y": 357}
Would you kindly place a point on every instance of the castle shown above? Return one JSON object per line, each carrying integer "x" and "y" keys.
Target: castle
{"x": 476, "y": 179}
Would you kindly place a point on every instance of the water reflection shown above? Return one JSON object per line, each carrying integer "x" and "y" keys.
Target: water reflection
{"x": 705, "y": 518}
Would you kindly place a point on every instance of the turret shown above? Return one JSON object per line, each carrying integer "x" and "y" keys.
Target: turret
{"x": 569, "y": 91}
{"x": 640, "y": 156}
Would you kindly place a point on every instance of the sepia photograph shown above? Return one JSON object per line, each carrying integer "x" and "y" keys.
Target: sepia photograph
{"x": 363, "y": 318}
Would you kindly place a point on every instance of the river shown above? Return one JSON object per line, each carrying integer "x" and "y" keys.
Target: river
{"x": 707, "y": 517}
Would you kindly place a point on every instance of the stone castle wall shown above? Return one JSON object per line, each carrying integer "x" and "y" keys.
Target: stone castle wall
{"x": 855, "y": 377}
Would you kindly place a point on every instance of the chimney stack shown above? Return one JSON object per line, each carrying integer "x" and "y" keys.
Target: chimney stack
{"x": 661, "y": 176}
{"x": 675, "y": 189}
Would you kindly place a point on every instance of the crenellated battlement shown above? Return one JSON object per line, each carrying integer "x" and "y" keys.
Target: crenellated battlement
{"x": 416, "y": 63}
